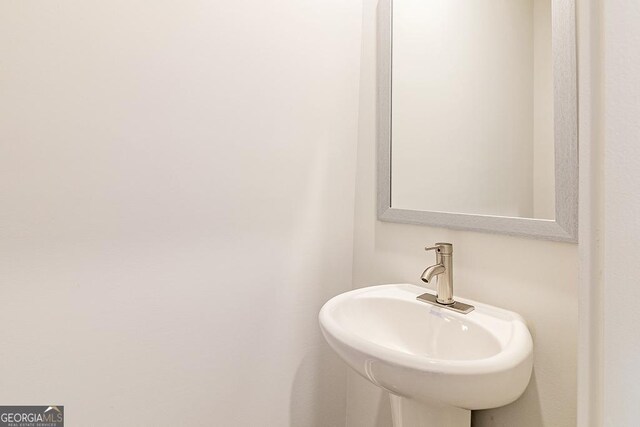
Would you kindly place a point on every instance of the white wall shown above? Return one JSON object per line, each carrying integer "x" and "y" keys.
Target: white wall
{"x": 621, "y": 213}
{"x": 591, "y": 124}
{"x": 535, "y": 278}
{"x": 170, "y": 224}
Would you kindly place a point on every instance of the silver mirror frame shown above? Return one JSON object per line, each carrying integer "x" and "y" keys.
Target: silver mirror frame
{"x": 565, "y": 101}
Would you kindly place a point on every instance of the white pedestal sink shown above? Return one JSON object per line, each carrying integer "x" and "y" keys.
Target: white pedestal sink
{"x": 437, "y": 364}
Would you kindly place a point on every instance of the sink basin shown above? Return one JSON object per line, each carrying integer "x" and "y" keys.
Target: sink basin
{"x": 436, "y": 363}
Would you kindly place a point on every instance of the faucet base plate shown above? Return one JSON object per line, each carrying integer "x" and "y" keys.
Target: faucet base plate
{"x": 457, "y": 306}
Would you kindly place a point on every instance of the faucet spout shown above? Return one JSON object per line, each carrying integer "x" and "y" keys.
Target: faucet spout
{"x": 429, "y": 272}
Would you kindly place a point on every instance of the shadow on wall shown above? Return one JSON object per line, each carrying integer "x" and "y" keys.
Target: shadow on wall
{"x": 527, "y": 407}
{"x": 318, "y": 389}
{"x": 369, "y": 405}
{"x": 318, "y": 393}
{"x": 383, "y": 417}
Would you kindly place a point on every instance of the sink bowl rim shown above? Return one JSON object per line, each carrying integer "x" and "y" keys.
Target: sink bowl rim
{"x": 518, "y": 349}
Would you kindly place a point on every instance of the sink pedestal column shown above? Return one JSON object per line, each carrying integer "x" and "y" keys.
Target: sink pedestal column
{"x": 409, "y": 413}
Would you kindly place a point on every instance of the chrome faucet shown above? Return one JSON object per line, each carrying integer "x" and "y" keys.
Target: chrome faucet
{"x": 442, "y": 271}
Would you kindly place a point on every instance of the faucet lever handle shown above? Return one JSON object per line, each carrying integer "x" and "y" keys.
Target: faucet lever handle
{"x": 441, "y": 248}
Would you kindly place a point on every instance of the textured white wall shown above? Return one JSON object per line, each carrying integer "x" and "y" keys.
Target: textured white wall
{"x": 177, "y": 202}
{"x": 534, "y": 278}
{"x": 621, "y": 213}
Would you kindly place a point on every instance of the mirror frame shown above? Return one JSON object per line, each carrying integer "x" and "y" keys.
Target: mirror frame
{"x": 565, "y": 103}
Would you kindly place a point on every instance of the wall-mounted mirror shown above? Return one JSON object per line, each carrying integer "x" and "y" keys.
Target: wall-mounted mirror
{"x": 477, "y": 115}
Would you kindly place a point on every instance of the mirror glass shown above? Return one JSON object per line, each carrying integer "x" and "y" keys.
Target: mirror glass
{"x": 472, "y": 107}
